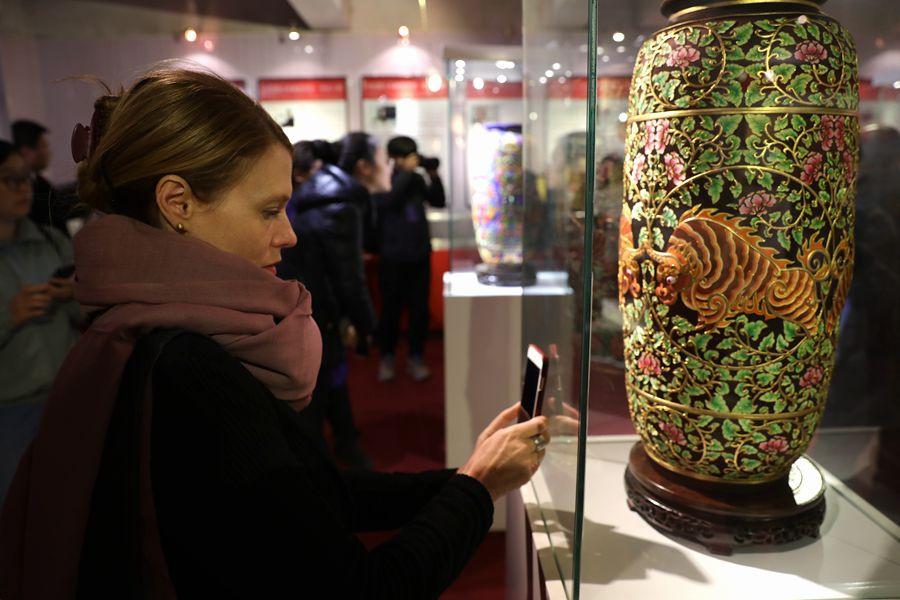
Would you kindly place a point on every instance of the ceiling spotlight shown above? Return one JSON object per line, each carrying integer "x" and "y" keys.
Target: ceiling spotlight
{"x": 505, "y": 64}
{"x": 309, "y": 49}
{"x": 501, "y": 79}
{"x": 403, "y": 31}
{"x": 623, "y": 117}
{"x": 460, "y": 64}
{"x": 600, "y": 50}
{"x": 897, "y": 85}
{"x": 190, "y": 34}
{"x": 548, "y": 73}
{"x": 478, "y": 83}
{"x": 618, "y": 36}
{"x": 621, "y": 49}
{"x": 293, "y": 35}
{"x": 208, "y": 45}
{"x": 434, "y": 83}
{"x": 459, "y": 77}
{"x": 543, "y": 80}
{"x": 606, "y": 58}
{"x": 556, "y": 66}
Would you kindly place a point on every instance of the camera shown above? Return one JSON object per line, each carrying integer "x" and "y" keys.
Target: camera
{"x": 429, "y": 163}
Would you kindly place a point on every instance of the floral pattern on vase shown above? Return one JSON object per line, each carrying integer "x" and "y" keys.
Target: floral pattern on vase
{"x": 736, "y": 238}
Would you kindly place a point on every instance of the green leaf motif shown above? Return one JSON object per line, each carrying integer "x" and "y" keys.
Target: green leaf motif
{"x": 744, "y": 405}
{"x": 784, "y": 72}
{"x": 783, "y": 239}
{"x": 668, "y": 217}
{"x": 767, "y": 342}
{"x": 754, "y": 93}
{"x": 734, "y": 93}
{"x": 799, "y": 83}
{"x": 750, "y": 464}
{"x": 728, "y": 429}
{"x": 714, "y": 187}
{"x": 754, "y": 329}
{"x": 757, "y": 123}
{"x": 743, "y": 33}
{"x": 790, "y": 331}
{"x": 701, "y": 341}
{"x": 787, "y": 39}
{"x": 798, "y": 236}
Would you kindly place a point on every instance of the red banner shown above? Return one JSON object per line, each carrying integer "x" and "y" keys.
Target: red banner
{"x": 333, "y": 88}
{"x": 398, "y": 88}
{"x": 492, "y": 89}
{"x": 872, "y": 93}
{"x": 576, "y": 88}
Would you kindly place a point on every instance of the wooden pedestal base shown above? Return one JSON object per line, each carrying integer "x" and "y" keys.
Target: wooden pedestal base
{"x": 723, "y": 517}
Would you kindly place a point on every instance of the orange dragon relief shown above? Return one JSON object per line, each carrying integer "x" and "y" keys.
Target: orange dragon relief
{"x": 719, "y": 268}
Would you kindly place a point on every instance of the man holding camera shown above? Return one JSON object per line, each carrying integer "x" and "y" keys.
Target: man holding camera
{"x": 406, "y": 254}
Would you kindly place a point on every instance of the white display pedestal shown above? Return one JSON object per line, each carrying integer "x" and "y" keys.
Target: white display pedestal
{"x": 484, "y": 353}
{"x": 857, "y": 555}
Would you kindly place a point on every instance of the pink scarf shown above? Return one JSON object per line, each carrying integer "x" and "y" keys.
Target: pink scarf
{"x": 133, "y": 278}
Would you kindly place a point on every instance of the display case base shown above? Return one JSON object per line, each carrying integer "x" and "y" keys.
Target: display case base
{"x": 506, "y": 275}
{"x": 723, "y": 517}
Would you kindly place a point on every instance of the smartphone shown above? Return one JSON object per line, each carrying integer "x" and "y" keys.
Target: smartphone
{"x": 64, "y": 272}
{"x": 536, "y": 368}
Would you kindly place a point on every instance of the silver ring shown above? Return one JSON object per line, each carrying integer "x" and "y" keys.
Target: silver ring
{"x": 538, "y": 443}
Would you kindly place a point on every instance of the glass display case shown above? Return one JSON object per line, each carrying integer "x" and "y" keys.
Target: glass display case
{"x": 728, "y": 342}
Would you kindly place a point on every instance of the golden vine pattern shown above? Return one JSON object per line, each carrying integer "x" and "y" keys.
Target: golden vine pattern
{"x": 736, "y": 238}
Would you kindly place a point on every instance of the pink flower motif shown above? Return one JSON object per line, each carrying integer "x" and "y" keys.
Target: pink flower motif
{"x": 813, "y": 376}
{"x": 777, "y": 445}
{"x": 811, "y": 52}
{"x": 811, "y": 167}
{"x": 757, "y": 203}
{"x": 675, "y": 169}
{"x": 637, "y": 168}
{"x": 657, "y": 133}
{"x": 682, "y": 56}
{"x": 849, "y": 166}
{"x": 832, "y": 132}
{"x": 649, "y": 364}
{"x": 674, "y": 433}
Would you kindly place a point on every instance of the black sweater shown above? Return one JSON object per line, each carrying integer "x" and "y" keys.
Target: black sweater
{"x": 249, "y": 504}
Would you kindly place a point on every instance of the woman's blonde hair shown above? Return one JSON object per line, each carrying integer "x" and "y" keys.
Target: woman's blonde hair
{"x": 172, "y": 121}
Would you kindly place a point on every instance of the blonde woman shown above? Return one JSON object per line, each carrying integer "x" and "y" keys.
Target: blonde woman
{"x": 170, "y": 462}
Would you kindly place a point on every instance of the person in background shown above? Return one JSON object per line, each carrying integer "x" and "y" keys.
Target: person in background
{"x": 305, "y": 166}
{"x": 405, "y": 255}
{"x": 30, "y": 139}
{"x": 38, "y": 317}
{"x": 330, "y": 215}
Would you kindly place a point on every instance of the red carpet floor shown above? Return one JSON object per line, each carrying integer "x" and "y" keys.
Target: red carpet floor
{"x": 402, "y": 425}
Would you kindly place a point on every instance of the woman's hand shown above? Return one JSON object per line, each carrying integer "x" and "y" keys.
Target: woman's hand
{"x": 62, "y": 289}
{"x": 506, "y": 455}
{"x": 31, "y": 302}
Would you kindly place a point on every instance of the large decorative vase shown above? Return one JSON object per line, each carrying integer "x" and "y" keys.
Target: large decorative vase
{"x": 736, "y": 235}
{"x": 496, "y": 182}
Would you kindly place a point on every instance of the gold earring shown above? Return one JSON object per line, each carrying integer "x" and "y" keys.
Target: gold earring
{"x": 180, "y": 228}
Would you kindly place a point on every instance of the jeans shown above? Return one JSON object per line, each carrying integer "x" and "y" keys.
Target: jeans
{"x": 18, "y": 425}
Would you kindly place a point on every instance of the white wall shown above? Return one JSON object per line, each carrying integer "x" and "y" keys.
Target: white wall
{"x": 59, "y": 102}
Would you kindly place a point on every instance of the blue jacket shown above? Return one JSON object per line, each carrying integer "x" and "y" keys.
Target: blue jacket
{"x": 330, "y": 215}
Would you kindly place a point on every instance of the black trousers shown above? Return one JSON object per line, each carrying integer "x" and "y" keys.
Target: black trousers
{"x": 331, "y": 397}
{"x": 404, "y": 284}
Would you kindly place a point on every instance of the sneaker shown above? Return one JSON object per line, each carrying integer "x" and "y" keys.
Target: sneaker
{"x": 417, "y": 369}
{"x": 386, "y": 370}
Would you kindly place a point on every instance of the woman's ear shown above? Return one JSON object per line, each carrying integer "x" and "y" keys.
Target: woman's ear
{"x": 175, "y": 201}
